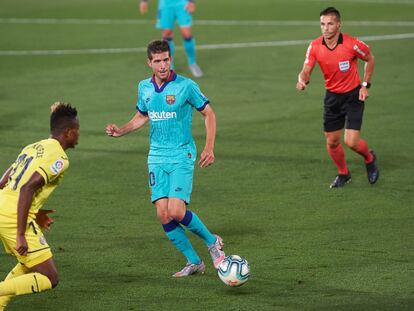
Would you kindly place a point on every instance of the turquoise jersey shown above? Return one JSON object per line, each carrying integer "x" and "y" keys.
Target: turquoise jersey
{"x": 169, "y": 3}
{"x": 170, "y": 110}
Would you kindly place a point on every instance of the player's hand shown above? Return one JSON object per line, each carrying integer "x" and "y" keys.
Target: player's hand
{"x": 206, "y": 158}
{"x": 143, "y": 7}
{"x": 43, "y": 219}
{"x": 300, "y": 86}
{"x": 21, "y": 245}
{"x": 113, "y": 130}
{"x": 191, "y": 7}
{"x": 363, "y": 94}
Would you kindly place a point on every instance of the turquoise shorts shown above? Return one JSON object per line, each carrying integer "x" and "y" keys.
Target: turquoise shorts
{"x": 168, "y": 16}
{"x": 171, "y": 180}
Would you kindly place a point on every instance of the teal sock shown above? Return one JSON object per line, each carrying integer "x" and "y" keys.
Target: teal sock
{"x": 171, "y": 45}
{"x": 196, "y": 226}
{"x": 176, "y": 234}
{"x": 189, "y": 46}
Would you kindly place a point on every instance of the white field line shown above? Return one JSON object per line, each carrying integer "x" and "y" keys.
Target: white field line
{"x": 409, "y": 2}
{"x": 258, "y": 23}
{"x": 199, "y": 47}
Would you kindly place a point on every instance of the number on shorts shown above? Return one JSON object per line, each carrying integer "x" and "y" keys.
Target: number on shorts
{"x": 152, "y": 178}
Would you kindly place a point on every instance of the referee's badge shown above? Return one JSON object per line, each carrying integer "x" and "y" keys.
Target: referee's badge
{"x": 344, "y": 66}
{"x": 170, "y": 99}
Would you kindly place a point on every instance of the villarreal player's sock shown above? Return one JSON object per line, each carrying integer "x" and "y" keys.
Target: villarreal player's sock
{"x": 189, "y": 46}
{"x": 176, "y": 234}
{"x": 338, "y": 156}
{"x": 196, "y": 226}
{"x": 18, "y": 270}
{"x": 362, "y": 149}
{"x": 25, "y": 284}
{"x": 171, "y": 45}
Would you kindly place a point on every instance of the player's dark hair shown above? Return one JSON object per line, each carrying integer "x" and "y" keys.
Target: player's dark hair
{"x": 63, "y": 117}
{"x": 157, "y": 47}
{"x": 331, "y": 11}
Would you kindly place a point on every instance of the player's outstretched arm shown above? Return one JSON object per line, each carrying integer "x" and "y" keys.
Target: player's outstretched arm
{"x": 5, "y": 178}
{"x": 143, "y": 6}
{"x": 135, "y": 123}
{"x": 207, "y": 156}
{"x": 304, "y": 77}
{"x": 27, "y": 191}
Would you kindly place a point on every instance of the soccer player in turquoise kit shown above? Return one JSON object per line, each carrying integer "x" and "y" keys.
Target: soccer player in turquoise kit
{"x": 181, "y": 11}
{"x": 167, "y": 100}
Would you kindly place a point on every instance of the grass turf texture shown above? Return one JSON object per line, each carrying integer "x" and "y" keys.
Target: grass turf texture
{"x": 310, "y": 248}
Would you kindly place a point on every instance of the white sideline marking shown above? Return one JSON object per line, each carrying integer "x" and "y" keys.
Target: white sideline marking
{"x": 199, "y": 47}
{"x": 198, "y": 22}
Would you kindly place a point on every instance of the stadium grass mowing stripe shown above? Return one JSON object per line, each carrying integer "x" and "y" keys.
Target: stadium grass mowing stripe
{"x": 199, "y": 47}
{"x": 258, "y": 23}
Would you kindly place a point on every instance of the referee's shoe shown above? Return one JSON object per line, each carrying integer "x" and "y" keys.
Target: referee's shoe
{"x": 341, "y": 180}
{"x": 372, "y": 169}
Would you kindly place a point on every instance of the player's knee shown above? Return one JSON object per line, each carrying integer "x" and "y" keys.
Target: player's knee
{"x": 173, "y": 213}
{"x": 332, "y": 144}
{"x": 176, "y": 212}
{"x": 351, "y": 143}
{"x": 163, "y": 217}
{"x": 167, "y": 35}
{"x": 186, "y": 33}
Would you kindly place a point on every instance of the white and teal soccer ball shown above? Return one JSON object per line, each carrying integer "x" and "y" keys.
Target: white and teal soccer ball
{"x": 234, "y": 270}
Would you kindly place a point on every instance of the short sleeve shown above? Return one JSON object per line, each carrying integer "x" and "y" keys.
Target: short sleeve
{"x": 310, "y": 58}
{"x": 141, "y": 106}
{"x": 53, "y": 167}
{"x": 195, "y": 97}
{"x": 361, "y": 49}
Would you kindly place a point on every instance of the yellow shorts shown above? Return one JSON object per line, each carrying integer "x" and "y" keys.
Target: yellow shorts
{"x": 38, "y": 252}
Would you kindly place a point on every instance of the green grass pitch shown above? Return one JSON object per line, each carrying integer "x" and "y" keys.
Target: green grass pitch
{"x": 310, "y": 248}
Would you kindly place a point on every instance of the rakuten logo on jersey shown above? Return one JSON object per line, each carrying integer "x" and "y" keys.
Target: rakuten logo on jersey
{"x": 161, "y": 115}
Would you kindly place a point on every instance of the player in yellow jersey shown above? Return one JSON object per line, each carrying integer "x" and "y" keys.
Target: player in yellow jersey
{"x": 25, "y": 186}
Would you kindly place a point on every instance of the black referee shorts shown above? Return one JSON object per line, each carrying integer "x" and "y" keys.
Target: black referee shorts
{"x": 339, "y": 108}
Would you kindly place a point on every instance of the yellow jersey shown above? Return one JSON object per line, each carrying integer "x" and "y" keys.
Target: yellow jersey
{"x": 45, "y": 157}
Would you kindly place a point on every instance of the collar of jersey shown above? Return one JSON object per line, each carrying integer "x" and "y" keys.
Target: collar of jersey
{"x": 57, "y": 143}
{"x": 340, "y": 41}
{"x": 172, "y": 77}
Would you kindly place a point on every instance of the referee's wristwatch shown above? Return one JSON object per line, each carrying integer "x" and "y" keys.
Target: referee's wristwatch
{"x": 366, "y": 84}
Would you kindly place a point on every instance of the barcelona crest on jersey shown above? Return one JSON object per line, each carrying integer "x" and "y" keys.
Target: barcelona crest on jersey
{"x": 170, "y": 99}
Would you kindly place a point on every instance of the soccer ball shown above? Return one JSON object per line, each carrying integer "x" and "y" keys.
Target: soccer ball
{"x": 234, "y": 270}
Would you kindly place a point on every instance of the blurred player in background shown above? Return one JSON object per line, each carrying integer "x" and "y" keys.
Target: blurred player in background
{"x": 25, "y": 186}
{"x": 337, "y": 55}
{"x": 180, "y": 11}
{"x": 167, "y": 100}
